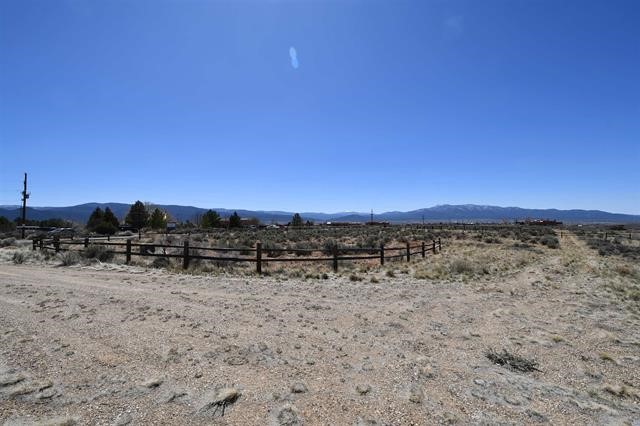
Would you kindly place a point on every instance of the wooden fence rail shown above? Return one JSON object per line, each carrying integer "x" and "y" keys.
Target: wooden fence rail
{"x": 262, "y": 254}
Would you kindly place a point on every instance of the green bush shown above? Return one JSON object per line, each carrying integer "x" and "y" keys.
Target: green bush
{"x": 105, "y": 228}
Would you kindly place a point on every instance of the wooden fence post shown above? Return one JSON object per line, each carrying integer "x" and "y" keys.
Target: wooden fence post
{"x": 86, "y": 242}
{"x": 128, "y": 250}
{"x": 56, "y": 244}
{"x": 408, "y": 251}
{"x": 382, "y": 254}
{"x": 41, "y": 244}
{"x": 108, "y": 237}
{"x": 439, "y": 244}
{"x": 185, "y": 260}
{"x": 335, "y": 259}
{"x": 434, "y": 247}
{"x": 259, "y": 257}
{"x": 423, "y": 252}
{"x": 139, "y": 235}
{"x": 34, "y": 242}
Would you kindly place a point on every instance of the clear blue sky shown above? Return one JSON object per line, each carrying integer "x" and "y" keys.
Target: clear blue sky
{"x": 322, "y": 105}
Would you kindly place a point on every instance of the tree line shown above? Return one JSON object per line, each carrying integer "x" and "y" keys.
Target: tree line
{"x": 141, "y": 215}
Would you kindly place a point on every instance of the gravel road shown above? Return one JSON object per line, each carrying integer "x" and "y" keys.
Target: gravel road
{"x": 83, "y": 345}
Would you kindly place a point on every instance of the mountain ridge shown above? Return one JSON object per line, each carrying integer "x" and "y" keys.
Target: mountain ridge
{"x": 439, "y": 213}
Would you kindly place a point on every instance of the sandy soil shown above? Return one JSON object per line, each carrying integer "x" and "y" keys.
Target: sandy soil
{"x": 135, "y": 346}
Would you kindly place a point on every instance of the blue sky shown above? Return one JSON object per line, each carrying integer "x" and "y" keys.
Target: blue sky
{"x": 390, "y": 105}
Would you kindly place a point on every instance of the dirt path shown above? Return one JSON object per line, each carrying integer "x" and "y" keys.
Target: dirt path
{"x": 142, "y": 347}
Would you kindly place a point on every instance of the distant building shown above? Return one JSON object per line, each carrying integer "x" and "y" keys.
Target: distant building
{"x": 344, "y": 224}
{"x": 377, "y": 223}
{"x": 540, "y": 222}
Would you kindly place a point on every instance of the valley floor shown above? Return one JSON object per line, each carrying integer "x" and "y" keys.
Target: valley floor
{"x": 137, "y": 346}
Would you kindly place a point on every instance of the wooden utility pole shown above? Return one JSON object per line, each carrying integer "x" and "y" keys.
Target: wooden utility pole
{"x": 25, "y": 195}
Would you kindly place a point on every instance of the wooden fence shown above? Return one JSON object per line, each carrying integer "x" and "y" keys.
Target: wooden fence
{"x": 262, "y": 255}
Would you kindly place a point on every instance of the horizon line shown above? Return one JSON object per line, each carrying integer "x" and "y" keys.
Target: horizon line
{"x": 321, "y": 212}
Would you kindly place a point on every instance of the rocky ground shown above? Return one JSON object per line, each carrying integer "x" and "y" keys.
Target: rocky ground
{"x": 118, "y": 345}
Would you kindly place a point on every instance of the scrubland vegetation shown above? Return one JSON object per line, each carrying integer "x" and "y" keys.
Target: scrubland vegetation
{"x": 507, "y": 324}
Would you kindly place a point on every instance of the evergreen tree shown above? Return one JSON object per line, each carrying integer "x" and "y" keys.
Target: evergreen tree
{"x": 138, "y": 215}
{"x": 95, "y": 219}
{"x": 109, "y": 217}
{"x": 6, "y": 225}
{"x": 234, "y": 220}
{"x": 296, "y": 221}
{"x": 211, "y": 219}
{"x": 158, "y": 219}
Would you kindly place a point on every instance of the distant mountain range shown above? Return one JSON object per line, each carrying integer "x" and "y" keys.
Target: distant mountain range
{"x": 441, "y": 213}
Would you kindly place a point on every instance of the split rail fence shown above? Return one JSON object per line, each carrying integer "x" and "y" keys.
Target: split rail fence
{"x": 260, "y": 257}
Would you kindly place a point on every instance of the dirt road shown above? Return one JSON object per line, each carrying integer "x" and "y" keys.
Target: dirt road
{"x": 138, "y": 346}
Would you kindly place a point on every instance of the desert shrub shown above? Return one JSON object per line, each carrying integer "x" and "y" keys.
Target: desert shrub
{"x": 245, "y": 250}
{"x": 512, "y": 361}
{"x": 462, "y": 266}
{"x": 272, "y": 249}
{"x": 550, "y": 241}
{"x": 627, "y": 270}
{"x": 160, "y": 262}
{"x": 611, "y": 248}
{"x": 492, "y": 240}
{"x": 6, "y": 242}
{"x": 522, "y": 246}
{"x": 19, "y": 257}
{"x": 305, "y": 248}
{"x": 329, "y": 245}
{"x": 354, "y": 277}
{"x": 95, "y": 251}
{"x": 47, "y": 254}
{"x": 69, "y": 258}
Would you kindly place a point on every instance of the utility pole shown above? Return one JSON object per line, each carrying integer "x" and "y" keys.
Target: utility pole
{"x": 25, "y": 195}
